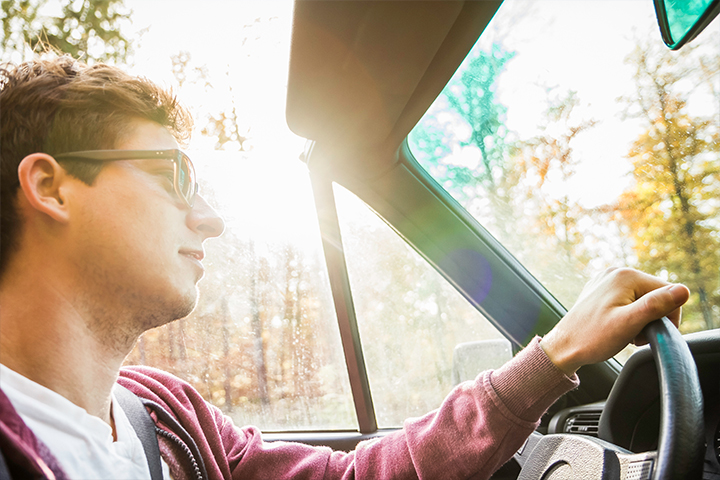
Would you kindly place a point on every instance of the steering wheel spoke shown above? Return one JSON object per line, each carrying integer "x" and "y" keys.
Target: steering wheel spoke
{"x": 565, "y": 456}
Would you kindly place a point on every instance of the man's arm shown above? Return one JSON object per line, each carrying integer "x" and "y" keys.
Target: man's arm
{"x": 476, "y": 429}
{"x": 479, "y": 425}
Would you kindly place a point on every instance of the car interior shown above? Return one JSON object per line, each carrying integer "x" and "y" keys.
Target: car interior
{"x": 431, "y": 226}
{"x": 362, "y": 74}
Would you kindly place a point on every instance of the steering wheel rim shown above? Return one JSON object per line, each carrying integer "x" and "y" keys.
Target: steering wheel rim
{"x": 680, "y": 445}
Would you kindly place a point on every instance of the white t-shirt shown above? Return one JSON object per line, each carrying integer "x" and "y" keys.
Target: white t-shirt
{"x": 82, "y": 443}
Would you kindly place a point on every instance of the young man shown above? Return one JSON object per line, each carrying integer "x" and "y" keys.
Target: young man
{"x": 102, "y": 234}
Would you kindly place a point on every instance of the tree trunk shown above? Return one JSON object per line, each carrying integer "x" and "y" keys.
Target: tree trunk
{"x": 227, "y": 377}
{"x": 688, "y": 229}
{"x": 257, "y": 330}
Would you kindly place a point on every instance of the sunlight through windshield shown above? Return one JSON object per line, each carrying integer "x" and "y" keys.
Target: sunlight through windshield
{"x": 584, "y": 154}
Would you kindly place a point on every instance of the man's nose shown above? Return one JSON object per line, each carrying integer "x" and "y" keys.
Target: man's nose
{"x": 204, "y": 219}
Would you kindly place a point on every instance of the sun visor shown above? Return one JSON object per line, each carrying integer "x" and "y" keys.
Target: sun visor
{"x": 362, "y": 73}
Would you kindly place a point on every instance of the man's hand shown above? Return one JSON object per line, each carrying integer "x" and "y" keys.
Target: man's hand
{"x": 612, "y": 310}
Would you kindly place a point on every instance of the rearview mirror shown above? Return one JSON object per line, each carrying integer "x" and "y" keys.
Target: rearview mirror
{"x": 682, "y": 20}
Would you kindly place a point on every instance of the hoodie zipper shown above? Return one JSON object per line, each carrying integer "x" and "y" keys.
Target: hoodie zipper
{"x": 176, "y": 440}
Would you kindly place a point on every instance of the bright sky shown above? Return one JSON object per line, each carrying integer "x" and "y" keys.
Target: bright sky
{"x": 578, "y": 45}
{"x": 244, "y": 47}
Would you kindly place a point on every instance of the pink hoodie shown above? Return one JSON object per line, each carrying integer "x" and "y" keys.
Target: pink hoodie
{"x": 477, "y": 428}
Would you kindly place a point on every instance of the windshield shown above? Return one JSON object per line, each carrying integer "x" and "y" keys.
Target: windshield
{"x": 582, "y": 145}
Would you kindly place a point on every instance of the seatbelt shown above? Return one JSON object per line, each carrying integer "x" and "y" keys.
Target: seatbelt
{"x": 4, "y": 472}
{"x": 144, "y": 427}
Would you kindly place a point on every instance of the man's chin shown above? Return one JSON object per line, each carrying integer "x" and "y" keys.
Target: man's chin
{"x": 186, "y": 306}
{"x": 166, "y": 312}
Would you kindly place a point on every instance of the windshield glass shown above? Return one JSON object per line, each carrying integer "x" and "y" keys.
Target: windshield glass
{"x": 583, "y": 144}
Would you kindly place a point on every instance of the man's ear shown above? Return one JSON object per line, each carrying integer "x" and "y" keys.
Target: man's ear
{"x": 41, "y": 182}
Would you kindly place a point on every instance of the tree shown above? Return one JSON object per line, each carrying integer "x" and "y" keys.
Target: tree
{"x": 553, "y": 223}
{"x": 465, "y": 145}
{"x": 475, "y": 99}
{"x": 409, "y": 317}
{"x": 89, "y": 29}
{"x": 230, "y": 124}
{"x": 227, "y": 126}
{"x": 672, "y": 209}
{"x": 505, "y": 182}
{"x": 472, "y": 96}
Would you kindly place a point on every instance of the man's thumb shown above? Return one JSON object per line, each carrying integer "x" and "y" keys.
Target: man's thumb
{"x": 662, "y": 302}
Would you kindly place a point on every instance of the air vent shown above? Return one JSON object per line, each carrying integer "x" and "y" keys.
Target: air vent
{"x": 585, "y": 423}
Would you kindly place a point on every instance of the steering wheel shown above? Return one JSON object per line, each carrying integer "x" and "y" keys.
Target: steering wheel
{"x": 680, "y": 446}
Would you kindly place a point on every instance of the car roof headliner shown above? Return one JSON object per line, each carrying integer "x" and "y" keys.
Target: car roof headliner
{"x": 362, "y": 73}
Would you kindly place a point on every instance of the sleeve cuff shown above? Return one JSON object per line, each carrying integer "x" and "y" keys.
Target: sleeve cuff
{"x": 530, "y": 383}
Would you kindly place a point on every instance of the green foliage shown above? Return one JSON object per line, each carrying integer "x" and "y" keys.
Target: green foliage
{"x": 471, "y": 95}
{"x": 86, "y": 29}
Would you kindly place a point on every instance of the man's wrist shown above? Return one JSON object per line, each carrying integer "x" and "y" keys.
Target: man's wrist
{"x": 558, "y": 355}
{"x": 529, "y": 383}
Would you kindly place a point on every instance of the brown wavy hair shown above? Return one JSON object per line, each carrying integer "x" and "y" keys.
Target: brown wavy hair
{"x": 57, "y": 104}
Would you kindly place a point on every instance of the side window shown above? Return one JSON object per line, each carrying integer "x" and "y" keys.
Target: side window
{"x": 263, "y": 343}
{"x": 410, "y": 318}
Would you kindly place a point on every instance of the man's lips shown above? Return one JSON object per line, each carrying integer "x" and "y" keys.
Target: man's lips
{"x": 195, "y": 255}
{"x": 198, "y": 254}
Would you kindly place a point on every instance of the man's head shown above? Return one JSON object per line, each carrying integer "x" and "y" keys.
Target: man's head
{"x": 112, "y": 240}
{"x": 59, "y": 105}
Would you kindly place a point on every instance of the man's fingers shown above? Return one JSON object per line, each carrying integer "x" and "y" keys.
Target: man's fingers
{"x": 661, "y": 302}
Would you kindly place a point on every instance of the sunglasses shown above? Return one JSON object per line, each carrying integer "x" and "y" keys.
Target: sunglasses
{"x": 184, "y": 179}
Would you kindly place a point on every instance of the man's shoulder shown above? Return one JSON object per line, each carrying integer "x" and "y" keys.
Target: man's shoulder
{"x": 143, "y": 374}
{"x": 159, "y": 386}
{"x": 137, "y": 376}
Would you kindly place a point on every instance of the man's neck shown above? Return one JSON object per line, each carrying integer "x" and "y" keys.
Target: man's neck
{"x": 47, "y": 340}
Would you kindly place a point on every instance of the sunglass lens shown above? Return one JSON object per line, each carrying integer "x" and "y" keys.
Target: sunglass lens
{"x": 186, "y": 179}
